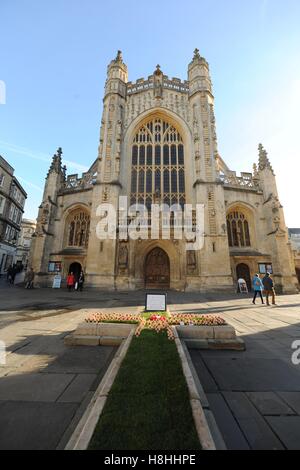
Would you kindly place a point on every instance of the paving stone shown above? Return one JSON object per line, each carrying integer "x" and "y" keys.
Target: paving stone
{"x": 269, "y": 404}
{"x": 192, "y": 332}
{"x": 287, "y": 429}
{"x": 78, "y": 388}
{"x": 252, "y": 374}
{"x": 34, "y": 426}
{"x": 292, "y": 399}
{"x": 231, "y": 432}
{"x": 256, "y": 430}
{"x": 34, "y": 387}
{"x": 206, "y": 379}
{"x": 82, "y": 360}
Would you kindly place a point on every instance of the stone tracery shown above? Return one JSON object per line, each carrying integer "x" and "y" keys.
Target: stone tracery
{"x": 158, "y": 164}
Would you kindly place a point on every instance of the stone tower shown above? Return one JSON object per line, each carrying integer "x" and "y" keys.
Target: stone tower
{"x": 214, "y": 259}
{"x": 101, "y": 254}
{"x": 277, "y": 232}
{"x": 43, "y": 239}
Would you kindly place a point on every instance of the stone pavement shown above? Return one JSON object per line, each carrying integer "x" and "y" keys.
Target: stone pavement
{"x": 45, "y": 386}
{"x": 254, "y": 395}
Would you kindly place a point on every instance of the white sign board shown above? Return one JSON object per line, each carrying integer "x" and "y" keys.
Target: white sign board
{"x": 56, "y": 282}
{"x": 156, "y": 302}
{"x": 243, "y": 286}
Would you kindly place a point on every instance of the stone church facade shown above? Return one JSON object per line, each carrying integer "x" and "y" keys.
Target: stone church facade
{"x": 158, "y": 143}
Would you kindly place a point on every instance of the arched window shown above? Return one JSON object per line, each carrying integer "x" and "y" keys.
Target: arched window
{"x": 157, "y": 164}
{"x": 238, "y": 230}
{"x": 78, "y": 227}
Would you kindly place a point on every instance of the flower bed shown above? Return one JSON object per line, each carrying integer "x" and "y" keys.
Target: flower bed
{"x": 196, "y": 320}
{"x": 100, "y": 317}
{"x": 157, "y": 321}
{"x": 148, "y": 406}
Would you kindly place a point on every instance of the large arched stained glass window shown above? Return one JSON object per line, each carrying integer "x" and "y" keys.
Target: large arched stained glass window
{"x": 78, "y": 228}
{"x": 238, "y": 230}
{"x": 157, "y": 165}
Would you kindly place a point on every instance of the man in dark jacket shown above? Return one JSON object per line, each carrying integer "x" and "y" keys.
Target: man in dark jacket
{"x": 269, "y": 288}
{"x": 80, "y": 281}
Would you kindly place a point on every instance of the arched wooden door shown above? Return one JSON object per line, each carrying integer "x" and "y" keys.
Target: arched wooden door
{"x": 243, "y": 272}
{"x": 157, "y": 270}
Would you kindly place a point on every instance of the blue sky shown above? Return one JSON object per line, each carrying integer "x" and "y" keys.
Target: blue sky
{"x": 53, "y": 60}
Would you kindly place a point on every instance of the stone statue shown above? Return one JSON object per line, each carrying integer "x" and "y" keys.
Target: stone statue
{"x": 45, "y": 215}
{"x": 191, "y": 258}
{"x": 158, "y": 82}
{"x": 197, "y": 54}
{"x": 119, "y": 57}
{"x": 123, "y": 256}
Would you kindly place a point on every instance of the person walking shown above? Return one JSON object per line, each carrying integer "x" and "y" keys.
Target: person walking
{"x": 13, "y": 273}
{"x": 70, "y": 281}
{"x": 269, "y": 288}
{"x": 9, "y": 274}
{"x": 29, "y": 279}
{"x": 258, "y": 287}
{"x": 80, "y": 281}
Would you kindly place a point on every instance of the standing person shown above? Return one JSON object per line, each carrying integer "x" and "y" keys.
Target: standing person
{"x": 269, "y": 288}
{"x": 9, "y": 274}
{"x": 258, "y": 287}
{"x": 13, "y": 273}
{"x": 70, "y": 281}
{"x": 80, "y": 281}
{"x": 29, "y": 279}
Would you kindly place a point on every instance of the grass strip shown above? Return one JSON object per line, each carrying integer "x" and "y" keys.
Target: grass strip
{"x": 148, "y": 406}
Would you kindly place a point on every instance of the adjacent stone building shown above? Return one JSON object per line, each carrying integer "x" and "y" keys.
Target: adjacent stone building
{"x": 28, "y": 228}
{"x": 158, "y": 143}
{"x": 294, "y": 234}
{"x": 12, "y": 201}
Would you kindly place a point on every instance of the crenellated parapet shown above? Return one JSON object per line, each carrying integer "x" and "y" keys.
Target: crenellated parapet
{"x": 74, "y": 182}
{"x": 142, "y": 84}
{"x": 244, "y": 181}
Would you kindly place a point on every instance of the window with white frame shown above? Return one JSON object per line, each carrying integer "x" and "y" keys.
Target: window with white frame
{"x": 2, "y": 202}
{"x": 7, "y": 233}
{"x": 2, "y": 178}
{"x": 11, "y": 212}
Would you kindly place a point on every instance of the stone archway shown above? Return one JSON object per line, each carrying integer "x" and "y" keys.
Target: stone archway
{"x": 157, "y": 269}
{"x": 76, "y": 269}
{"x": 243, "y": 272}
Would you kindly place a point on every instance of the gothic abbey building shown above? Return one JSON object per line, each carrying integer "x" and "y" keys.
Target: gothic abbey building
{"x": 158, "y": 143}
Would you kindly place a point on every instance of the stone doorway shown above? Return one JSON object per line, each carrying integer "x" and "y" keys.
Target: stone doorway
{"x": 157, "y": 270}
{"x": 243, "y": 272}
{"x": 76, "y": 269}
